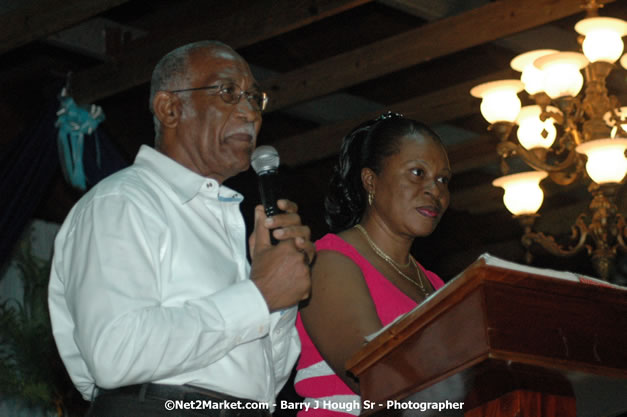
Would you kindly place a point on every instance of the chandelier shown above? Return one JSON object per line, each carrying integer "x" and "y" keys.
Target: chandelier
{"x": 565, "y": 137}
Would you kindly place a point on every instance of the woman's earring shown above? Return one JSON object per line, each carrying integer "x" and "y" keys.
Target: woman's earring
{"x": 370, "y": 197}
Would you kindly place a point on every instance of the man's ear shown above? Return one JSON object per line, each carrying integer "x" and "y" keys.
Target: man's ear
{"x": 167, "y": 108}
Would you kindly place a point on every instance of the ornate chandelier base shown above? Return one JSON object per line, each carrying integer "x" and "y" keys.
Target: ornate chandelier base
{"x": 607, "y": 229}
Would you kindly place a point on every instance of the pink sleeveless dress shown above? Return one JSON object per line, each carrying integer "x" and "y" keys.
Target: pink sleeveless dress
{"x": 323, "y": 391}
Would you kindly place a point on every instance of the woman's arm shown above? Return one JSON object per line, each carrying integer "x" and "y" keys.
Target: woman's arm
{"x": 340, "y": 312}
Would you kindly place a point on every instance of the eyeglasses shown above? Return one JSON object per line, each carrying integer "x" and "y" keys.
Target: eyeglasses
{"x": 231, "y": 93}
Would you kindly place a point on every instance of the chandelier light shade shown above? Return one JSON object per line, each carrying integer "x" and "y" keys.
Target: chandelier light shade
{"x": 623, "y": 61}
{"x": 562, "y": 73}
{"x": 533, "y": 132}
{"x": 532, "y": 77}
{"x": 500, "y": 102}
{"x": 606, "y": 159}
{"x": 523, "y": 194}
{"x": 602, "y": 38}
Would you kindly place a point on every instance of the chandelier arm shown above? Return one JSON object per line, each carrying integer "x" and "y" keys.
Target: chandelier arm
{"x": 576, "y": 112}
{"x": 607, "y": 227}
{"x": 563, "y": 178}
{"x": 571, "y": 137}
{"x": 506, "y": 149}
{"x": 548, "y": 114}
{"x": 621, "y": 226}
{"x": 614, "y": 105}
{"x": 550, "y": 245}
{"x": 607, "y": 224}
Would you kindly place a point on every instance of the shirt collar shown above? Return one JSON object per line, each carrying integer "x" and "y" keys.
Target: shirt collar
{"x": 185, "y": 183}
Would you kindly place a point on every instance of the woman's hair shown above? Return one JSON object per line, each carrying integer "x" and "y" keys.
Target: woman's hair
{"x": 366, "y": 146}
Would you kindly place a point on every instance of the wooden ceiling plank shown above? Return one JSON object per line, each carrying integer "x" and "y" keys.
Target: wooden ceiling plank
{"x": 431, "y": 10}
{"x": 433, "y": 108}
{"x": 37, "y": 19}
{"x": 423, "y": 9}
{"x": 483, "y": 198}
{"x": 260, "y": 20}
{"x": 474, "y": 153}
{"x": 475, "y": 27}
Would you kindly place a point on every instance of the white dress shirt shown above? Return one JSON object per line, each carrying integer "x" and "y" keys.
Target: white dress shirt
{"x": 150, "y": 283}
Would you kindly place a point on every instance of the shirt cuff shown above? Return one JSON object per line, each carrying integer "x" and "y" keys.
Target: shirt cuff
{"x": 244, "y": 311}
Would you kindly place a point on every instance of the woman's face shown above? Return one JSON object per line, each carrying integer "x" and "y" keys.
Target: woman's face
{"x": 411, "y": 191}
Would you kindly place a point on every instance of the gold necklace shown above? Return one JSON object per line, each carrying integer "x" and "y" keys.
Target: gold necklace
{"x": 393, "y": 264}
{"x": 379, "y": 252}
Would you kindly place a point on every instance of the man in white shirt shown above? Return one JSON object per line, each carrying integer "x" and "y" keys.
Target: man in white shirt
{"x": 153, "y": 302}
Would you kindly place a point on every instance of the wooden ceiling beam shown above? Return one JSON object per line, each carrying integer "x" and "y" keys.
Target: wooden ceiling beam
{"x": 480, "y": 199}
{"x": 443, "y": 37}
{"x": 238, "y": 27}
{"x": 433, "y": 108}
{"x": 432, "y": 10}
{"x": 473, "y": 154}
{"x": 33, "y": 20}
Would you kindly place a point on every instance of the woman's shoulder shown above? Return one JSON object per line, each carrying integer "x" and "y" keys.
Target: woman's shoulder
{"x": 336, "y": 249}
{"x": 332, "y": 245}
{"x": 338, "y": 243}
{"x": 329, "y": 241}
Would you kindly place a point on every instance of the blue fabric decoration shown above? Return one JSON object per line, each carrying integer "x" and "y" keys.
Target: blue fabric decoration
{"x": 73, "y": 123}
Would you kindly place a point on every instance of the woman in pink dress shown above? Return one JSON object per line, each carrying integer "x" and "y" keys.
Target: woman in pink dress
{"x": 389, "y": 187}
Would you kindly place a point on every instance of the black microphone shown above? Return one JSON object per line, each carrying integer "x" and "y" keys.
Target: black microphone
{"x": 265, "y": 162}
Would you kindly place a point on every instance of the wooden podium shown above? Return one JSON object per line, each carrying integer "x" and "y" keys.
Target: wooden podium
{"x": 505, "y": 343}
